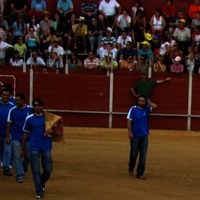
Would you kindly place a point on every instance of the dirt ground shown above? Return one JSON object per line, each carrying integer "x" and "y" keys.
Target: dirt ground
{"x": 92, "y": 165}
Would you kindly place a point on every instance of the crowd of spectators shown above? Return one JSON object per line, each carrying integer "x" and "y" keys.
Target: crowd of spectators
{"x": 103, "y": 35}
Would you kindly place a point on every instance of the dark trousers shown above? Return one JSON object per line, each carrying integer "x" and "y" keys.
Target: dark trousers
{"x": 139, "y": 145}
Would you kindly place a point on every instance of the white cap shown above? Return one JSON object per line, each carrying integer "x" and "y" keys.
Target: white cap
{"x": 178, "y": 58}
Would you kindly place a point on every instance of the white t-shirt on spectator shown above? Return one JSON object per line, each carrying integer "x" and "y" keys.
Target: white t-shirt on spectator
{"x": 122, "y": 41}
{"x": 109, "y": 8}
{"x": 59, "y": 50}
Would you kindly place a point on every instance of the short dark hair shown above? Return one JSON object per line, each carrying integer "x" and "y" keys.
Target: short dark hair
{"x": 141, "y": 96}
{"x": 39, "y": 100}
{"x": 21, "y": 96}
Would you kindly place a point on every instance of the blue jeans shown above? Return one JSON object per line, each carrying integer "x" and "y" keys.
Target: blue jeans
{"x": 17, "y": 160}
{"x": 46, "y": 161}
{"x": 5, "y": 153}
{"x": 138, "y": 145}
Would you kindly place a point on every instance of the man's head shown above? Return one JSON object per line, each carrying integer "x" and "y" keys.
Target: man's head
{"x": 37, "y": 105}
{"x": 141, "y": 101}
{"x": 20, "y": 100}
{"x": 5, "y": 95}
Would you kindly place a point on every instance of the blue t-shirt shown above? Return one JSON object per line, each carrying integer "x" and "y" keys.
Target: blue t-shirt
{"x": 140, "y": 120}
{"x": 35, "y": 126}
{"x": 39, "y": 6}
{"x": 65, "y": 5}
{"x": 4, "y": 110}
{"x": 17, "y": 118}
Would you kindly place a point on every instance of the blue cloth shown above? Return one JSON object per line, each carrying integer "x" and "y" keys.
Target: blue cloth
{"x": 65, "y": 6}
{"x": 17, "y": 118}
{"x": 4, "y": 110}
{"x": 40, "y": 178}
{"x": 39, "y": 6}
{"x": 18, "y": 30}
{"x": 140, "y": 120}
{"x": 35, "y": 126}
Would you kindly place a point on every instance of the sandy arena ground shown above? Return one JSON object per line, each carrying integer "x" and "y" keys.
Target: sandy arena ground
{"x": 92, "y": 165}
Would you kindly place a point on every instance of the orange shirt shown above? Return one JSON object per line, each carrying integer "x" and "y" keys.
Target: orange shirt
{"x": 192, "y": 10}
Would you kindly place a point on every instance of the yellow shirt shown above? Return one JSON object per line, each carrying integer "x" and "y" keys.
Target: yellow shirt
{"x": 80, "y": 30}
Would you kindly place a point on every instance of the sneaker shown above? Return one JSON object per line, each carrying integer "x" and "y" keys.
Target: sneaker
{"x": 38, "y": 196}
{"x": 20, "y": 180}
{"x": 142, "y": 177}
{"x": 7, "y": 172}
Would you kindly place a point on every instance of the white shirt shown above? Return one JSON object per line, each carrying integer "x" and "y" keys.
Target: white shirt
{"x": 122, "y": 41}
{"x": 16, "y": 63}
{"x": 59, "y": 50}
{"x": 124, "y": 22}
{"x": 109, "y": 8}
{"x": 39, "y": 61}
{"x": 163, "y": 48}
{"x": 3, "y": 47}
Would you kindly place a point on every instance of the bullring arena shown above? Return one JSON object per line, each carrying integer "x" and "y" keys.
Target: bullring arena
{"x": 91, "y": 163}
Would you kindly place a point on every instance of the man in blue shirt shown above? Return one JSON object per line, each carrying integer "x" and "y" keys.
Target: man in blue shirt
{"x": 138, "y": 131}
{"x": 15, "y": 122}
{"x": 40, "y": 146}
{"x": 5, "y": 150}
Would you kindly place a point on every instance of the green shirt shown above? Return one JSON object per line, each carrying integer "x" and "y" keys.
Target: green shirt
{"x": 144, "y": 87}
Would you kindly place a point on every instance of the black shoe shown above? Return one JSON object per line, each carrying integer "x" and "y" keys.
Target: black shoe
{"x": 7, "y": 173}
{"x": 130, "y": 172}
{"x": 142, "y": 177}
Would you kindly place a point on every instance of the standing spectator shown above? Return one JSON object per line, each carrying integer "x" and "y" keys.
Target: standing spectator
{"x": 16, "y": 60}
{"x": 5, "y": 150}
{"x": 37, "y": 8}
{"x": 157, "y": 22}
{"x": 4, "y": 46}
{"x": 40, "y": 146}
{"x": 193, "y": 8}
{"x": 91, "y": 62}
{"x": 95, "y": 31}
{"x": 89, "y": 10}
{"x": 138, "y": 131}
{"x": 16, "y": 119}
{"x": 65, "y": 11}
{"x": 108, "y": 14}
{"x": 18, "y": 8}
{"x": 80, "y": 31}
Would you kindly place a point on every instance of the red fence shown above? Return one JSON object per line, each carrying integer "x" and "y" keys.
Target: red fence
{"x": 82, "y": 97}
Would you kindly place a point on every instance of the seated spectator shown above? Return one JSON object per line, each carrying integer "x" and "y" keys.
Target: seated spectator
{"x": 56, "y": 47}
{"x": 122, "y": 40}
{"x": 129, "y": 63}
{"x": 16, "y": 60}
{"x": 108, "y": 49}
{"x": 193, "y": 8}
{"x": 89, "y": 10}
{"x": 32, "y": 40}
{"x": 182, "y": 35}
{"x": 18, "y": 8}
{"x": 156, "y": 45}
{"x": 80, "y": 32}
{"x": 108, "y": 43}
{"x": 4, "y": 25}
{"x": 146, "y": 50}
{"x": 4, "y": 46}
{"x": 65, "y": 12}
{"x": 196, "y": 53}
{"x": 94, "y": 33}
{"x": 46, "y": 24}
{"x": 55, "y": 61}
{"x": 157, "y": 23}
{"x": 35, "y": 60}
{"x": 137, "y": 6}
{"x": 128, "y": 51}
{"x": 19, "y": 28}
{"x": 143, "y": 64}
{"x": 139, "y": 27}
{"x": 37, "y": 8}
{"x": 74, "y": 61}
{"x": 108, "y": 63}
{"x": 196, "y": 36}
{"x": 33, "y": 24}
{"x": 2, "y": 2}
{"x": 196, "y": 21}
{"x": 20, "y": 46}
{"x": 168, "y": 10}
{"x": 159, "y": 65}
{"x": 109, "y": 9}
{"x": 177, "y": 67}
{"x": 91, "y": 62}
{"x": 124, "y": 22}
